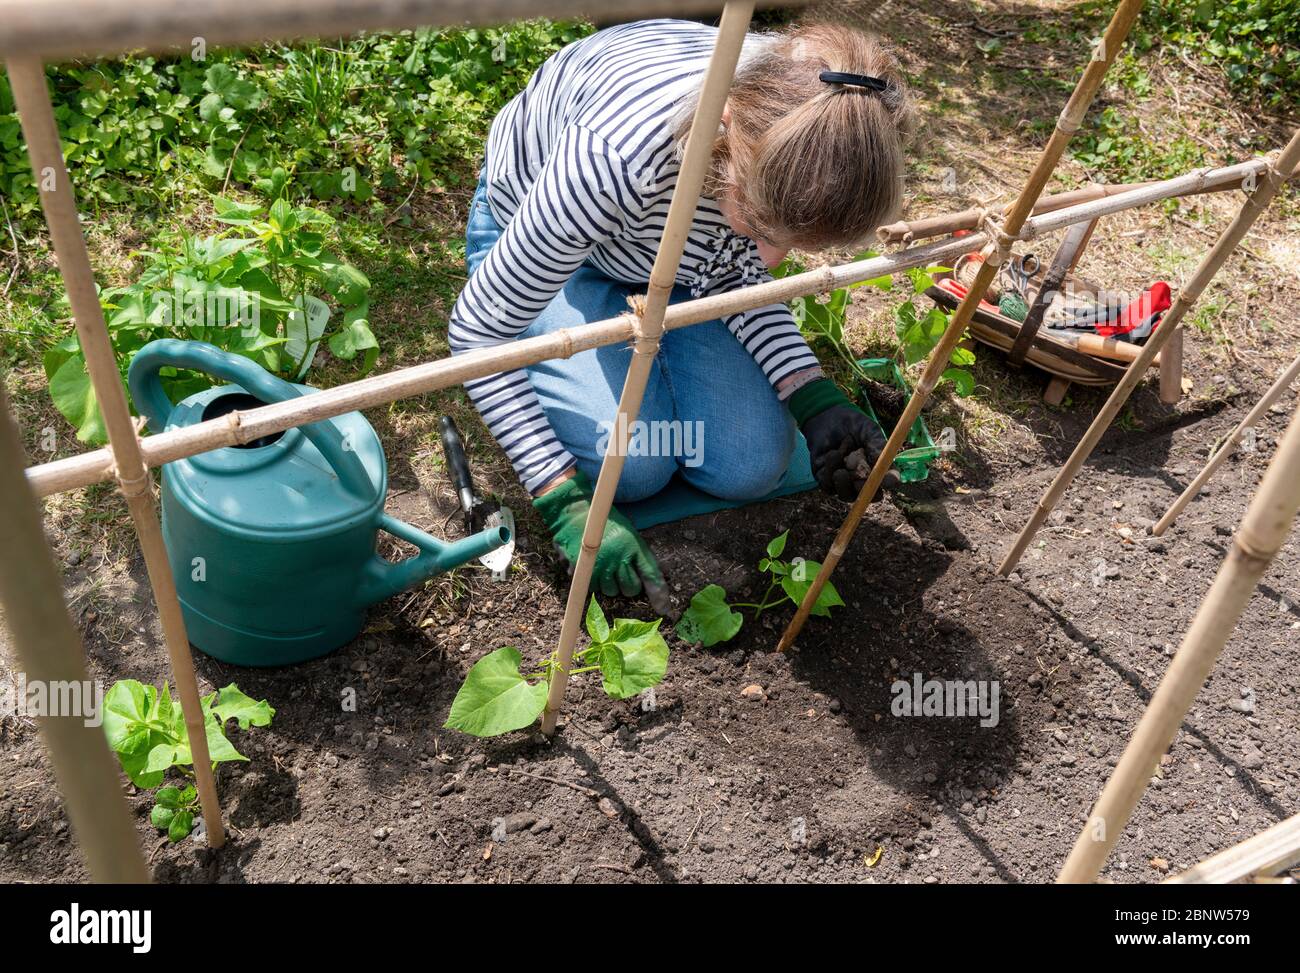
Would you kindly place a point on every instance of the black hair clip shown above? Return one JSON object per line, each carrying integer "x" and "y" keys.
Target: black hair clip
{"x": 857, "y": 80}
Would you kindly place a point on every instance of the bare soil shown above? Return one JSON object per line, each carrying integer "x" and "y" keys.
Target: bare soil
{"x": 809, "y": 777}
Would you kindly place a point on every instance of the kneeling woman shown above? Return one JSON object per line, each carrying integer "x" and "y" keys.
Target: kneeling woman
{"x": 564, "y": 227}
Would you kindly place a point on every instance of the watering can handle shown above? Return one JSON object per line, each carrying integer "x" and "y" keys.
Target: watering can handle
{"x": 147, "y": 393}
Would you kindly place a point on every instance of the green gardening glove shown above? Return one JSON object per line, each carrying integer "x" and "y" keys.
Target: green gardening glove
{"x": 624, "y": 563}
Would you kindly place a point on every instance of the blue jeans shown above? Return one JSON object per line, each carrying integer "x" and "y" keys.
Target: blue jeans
{"x": 736, "y": 435}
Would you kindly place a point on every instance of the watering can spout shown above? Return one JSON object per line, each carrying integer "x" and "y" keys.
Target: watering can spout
{"x": 385, "y": 579}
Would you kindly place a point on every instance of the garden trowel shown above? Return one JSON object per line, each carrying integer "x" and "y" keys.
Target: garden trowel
{"x": 478, "y": 513}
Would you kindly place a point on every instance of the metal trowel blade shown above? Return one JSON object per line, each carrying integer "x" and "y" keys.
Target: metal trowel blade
{"x": 498, "y": 561}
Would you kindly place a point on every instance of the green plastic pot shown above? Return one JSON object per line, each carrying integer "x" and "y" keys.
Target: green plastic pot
{"x": 912, "y": 463}
{"x": 273, "y": 544}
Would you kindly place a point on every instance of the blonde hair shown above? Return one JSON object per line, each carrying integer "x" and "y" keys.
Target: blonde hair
{"x": 807, "y": 163}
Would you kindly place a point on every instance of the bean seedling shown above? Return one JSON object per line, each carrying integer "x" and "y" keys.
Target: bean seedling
{"x": 917, "y": 332}
{"x": 496, "y": 697}
{"x": 710, "y": 619}
{"x": 146, "y": 729}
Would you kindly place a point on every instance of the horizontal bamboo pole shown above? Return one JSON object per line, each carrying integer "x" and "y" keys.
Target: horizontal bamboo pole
{"x": 1261, "y": 535}
{"x": 61, "y": 29}
{"x": 1071, "y": 118}
{"x": 58, "y": 200}
{"x": 237, "y": 428}
{"x": 1251, "y": 209}
{"x": 1267, "y": 853}
{"x": 909, "y": 231}
{"x": 1229, "y": 446}
{"x": 49, "y": 652}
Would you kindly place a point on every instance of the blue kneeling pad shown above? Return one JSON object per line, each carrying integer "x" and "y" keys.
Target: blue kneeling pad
{"x": 679, "y": 499}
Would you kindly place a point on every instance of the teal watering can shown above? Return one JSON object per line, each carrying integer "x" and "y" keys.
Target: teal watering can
{"x": 273, "y": 543}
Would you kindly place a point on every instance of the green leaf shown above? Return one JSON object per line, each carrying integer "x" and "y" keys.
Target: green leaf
{"x": 180, "y": 826}
{"x": 236, "y": 214}
{"x": 800, "y": 579}
{"x": 161, "y": 757}
{"x": 495, "y": 697}
{"x": 355, "y": 336}
{"x": 962, "y": 379}
{"x": 220, "y": 749}
{"x": 597, "y": 627}
{"x": 962, "y": 357}
{"x": 74, "y": 396}
{"x": 127, "y": 711}
{"x": 168, "y": 797}
{"x": 126, "y": 704}
{"x": 611, "y": 670}
{"x": 57, "y": 354}
{"x": 645, "y": 655}
{"x": 222, "y": 82}
{"x": 282, "y": 215}
{"x": 273, "y": 187}
{"x": 709, "y": 619}
{"x": 344, "y": 283}
{"x": 776, "y": 545}
{"x": 231, "y": 704}
{"x": 161, "y": 816}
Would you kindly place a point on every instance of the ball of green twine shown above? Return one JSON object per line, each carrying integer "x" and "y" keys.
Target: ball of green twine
{"x": 1014, "y": 307}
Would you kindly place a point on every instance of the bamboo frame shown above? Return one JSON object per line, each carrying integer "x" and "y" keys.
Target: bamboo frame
{"x": 1229, "y": 446}
{"x": 1251, "y": 209}
{"x": 907, "y": 232}
{"x": 94, "y": 466}
{"x": 28, "y": 34}
{"x": 995, "y": 254}
{"x": 650, "y": 327}
{"x": 49, "y": 651}
{"x": 58, "y": 199}
{"x": 1271, "y": 851}
{"x": 98, "y": 28}
{"x": 1261, "y": 535}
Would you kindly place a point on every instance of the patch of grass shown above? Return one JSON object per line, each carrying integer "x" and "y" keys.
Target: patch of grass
{"x": 1114, "y": 146}
{"x": 1255, "y": 42}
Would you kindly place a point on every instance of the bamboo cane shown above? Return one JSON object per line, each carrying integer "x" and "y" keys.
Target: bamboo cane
{"x": 1267, "y": 853}
{"x": 995, "y": 254}
{"x": 1250, "y": 211}
{"x": 681, "y": 214}
{"x": 908, "y": 232}
{"x": 1229, "y": 446}
{"x": 103, "y": 28}
{"x": 27, "y": 78}
{"x": 237, "y": 428}
{"x": 1262, "y": 533}
{"x": 49, "y": 650}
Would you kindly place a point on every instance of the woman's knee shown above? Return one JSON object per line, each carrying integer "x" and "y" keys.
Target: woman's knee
{"x": 744, "y": 468}
{"x": 643, "y": 476}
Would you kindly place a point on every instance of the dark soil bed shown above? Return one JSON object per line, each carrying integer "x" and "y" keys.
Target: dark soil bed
{"x": 806, "y": 776}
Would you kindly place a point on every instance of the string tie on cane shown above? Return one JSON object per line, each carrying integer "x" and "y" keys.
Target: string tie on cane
{"x": 998, "y": 249}
{"x": 642, "y": 344}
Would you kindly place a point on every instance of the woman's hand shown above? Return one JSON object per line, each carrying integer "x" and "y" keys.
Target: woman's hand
{"x": 835, "y": 429}
{"x": 833, "y": 437}
{"x": 624, "y": 563}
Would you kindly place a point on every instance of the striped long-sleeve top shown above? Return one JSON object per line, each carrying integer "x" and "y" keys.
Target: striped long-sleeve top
{"x": 581, "y": 167}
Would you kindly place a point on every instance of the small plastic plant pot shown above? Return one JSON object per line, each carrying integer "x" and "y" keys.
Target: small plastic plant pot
{"x": 912, "y": 463}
